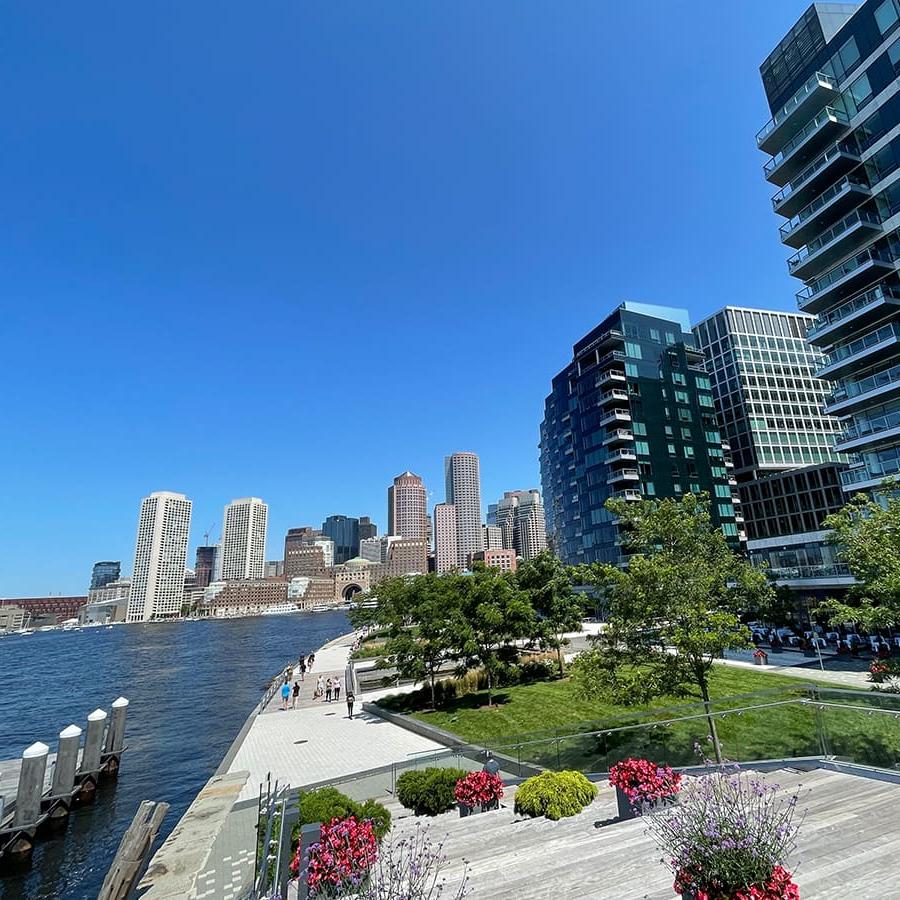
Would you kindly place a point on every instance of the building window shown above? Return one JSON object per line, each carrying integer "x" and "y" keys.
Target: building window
{"x": 682, "y": 397}
{"x": 649, "y": 489}
{"x": 886, "y": 16}
{"x": 725, "y": 510}
{"x": 670, "y": 338}
{"x": 642, "y": 448}
{"x": 631, "y": 370}
{"x": 679, "y": 378}
{"x": 671, "y": 449}
{"x": 639, "y": 428}
{"x": 729, "y": 529}
{"x": 689, "y": 451}
{"x": 723, "y": 490}
{"x": 633, "y": 350}
{"x": 654, "y": 335}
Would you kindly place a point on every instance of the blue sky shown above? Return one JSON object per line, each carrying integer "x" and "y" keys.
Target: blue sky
{"x": 291, "y": 249}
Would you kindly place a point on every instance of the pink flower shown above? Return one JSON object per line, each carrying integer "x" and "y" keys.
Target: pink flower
{"x": 478, "y": 788}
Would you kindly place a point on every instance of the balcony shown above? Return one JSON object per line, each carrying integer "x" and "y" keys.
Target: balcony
{"x": 869, "y": 475}
{"x": 623, "y": 455}
{"x": 616, "y": 417}
{"x": 619, "y": 436}
{"x": 853, "y": 315}
{"x": 611, "y": 376}
{"x": 824, "y": 170}
{"x": 803, "y": 147}
{"x": 846, "y": 279}
{"x": 615, "y": 397}
{"x": 866, "y": 432}
{"x": 862, "y": 351}
{"x": 847, "y": 235}
{"x": 623, "y": 475}
{"x": 821, "y": 88}
{"x": 863, "y": 391}
{"x": 628, "y": 494}
{"x": 824, "y": 210}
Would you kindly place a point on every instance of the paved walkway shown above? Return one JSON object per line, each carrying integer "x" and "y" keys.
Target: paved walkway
{"x": 807, "y": 673}
{"x": 317, "y": 741}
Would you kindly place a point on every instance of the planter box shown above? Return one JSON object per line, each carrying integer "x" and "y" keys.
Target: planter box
{"x": 465, "y": 810}
{"x": 474, "y": 810}
{"x": 627, "y": 811}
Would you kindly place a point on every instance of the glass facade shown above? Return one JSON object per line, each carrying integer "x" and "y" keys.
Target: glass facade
{"x": 344, "y": 531}
{"x": 631, "y": 416}
{"x": 105, "y": 572}
{"x": 768, "y": 400}
{"x": 839, "y": 176}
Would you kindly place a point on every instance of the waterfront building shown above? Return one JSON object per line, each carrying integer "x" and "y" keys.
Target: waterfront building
{"x": 631, "y": 416}
{"x": 305, "y": 559}
{"x": 205, "y": 565}
{"x": 367, "y": 528}
{"x": 13, "y": 618}
{"x": 491, "y": 518}
{"x": 492, "y": 537}
{"x": 463, "y": 488}
{"x": 120, "y": 589}
{"x": 768, "y": 400}
{"x": 520, "y": 518}
{"x": 103, "y": 612}
{"x": 48, "y": 610}
{"x": 496, "y": 558}
{"x": 344, "y": 531}
{"x": 274, "y": 568}
{"x": 372, "y": 549}
{"x": 404, "y": 556}
{"x": 104, "y": 572}
{"x": 246, "y": 597}
{"x": 160, "y": 555}
{"x": 244, "y": 539}
{"x": 446, "y": 547}
{"x": 834, "y": 146}
{"x": 407, "y": 507}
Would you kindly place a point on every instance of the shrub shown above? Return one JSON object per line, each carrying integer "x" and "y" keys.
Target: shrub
{"x": 537, "y": 669}
{"x": 554, "y": 795}
{"x": 328, "y": 803}
{"x": 479, "y": 789}
{"x": 429, "y": 792}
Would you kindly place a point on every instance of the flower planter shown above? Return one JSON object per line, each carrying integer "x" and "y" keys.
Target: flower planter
{"x": 464, "y": 810}
{"x": 627, "y": 811}
{"x": 493, "y": 804}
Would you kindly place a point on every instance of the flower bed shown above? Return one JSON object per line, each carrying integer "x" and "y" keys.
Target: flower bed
{"x": 341, "y": 858}
{"x": 644, "y": 782}
{"x": 479, "y": 789}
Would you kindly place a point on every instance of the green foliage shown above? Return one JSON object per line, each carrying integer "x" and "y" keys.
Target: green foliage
{"x": 867, "y": 533}
{"x": 554, "y": 795}
{"x": 683, "y": 591}
{"x": 428, "y": 792}
{"x": 327, "y": 803}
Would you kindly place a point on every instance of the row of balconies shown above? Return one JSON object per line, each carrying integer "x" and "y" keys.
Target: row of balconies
{"x": 855, "y": 392}
{"x": 852, "y": 315}
{"x": 863, "y": 350}
{"x": 868, "y": 431}
{"x": 845, "y": 279}
{"x": 843, "y": 237}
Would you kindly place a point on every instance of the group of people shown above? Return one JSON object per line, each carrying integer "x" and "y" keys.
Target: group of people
{"x": 327, "y": 689}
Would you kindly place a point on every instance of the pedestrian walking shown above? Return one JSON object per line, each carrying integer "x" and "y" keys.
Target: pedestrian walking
{"x": 295, "y": 694}
{"x": 328, "y": 689}
{"x": 310, "y": 661}
{"x": 350, "y": 699}
{"x": 337, "y": 689}
{"x": 285, "y": 693}
{"x": 302, "y": 669}
{"x": 320, "y": 687}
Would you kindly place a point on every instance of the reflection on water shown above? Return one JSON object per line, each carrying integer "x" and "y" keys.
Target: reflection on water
{"x": 191, "y": 687}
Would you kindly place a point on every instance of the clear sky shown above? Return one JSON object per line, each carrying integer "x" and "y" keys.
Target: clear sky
{"x": 290, "y": 249}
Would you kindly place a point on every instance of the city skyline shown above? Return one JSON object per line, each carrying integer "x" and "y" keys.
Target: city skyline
{"x": 200, "y": 253}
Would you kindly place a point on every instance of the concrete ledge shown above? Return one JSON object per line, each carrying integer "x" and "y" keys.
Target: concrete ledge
{"x": 174, "y": 868}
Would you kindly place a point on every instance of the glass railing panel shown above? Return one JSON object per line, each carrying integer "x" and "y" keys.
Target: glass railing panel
{"x": 868, "y": 736}
{"x": 860, "y": 344}
{"x": 864, "y": 427}
{"x": 852, "y": 306}
{"x": 838, "y": 272}
{"x": 828, "y": 114}
{"x": 820, "y": 78}
{"x": 825, "y": 197}
{"x": 818, "y": 163}
{"x": 870, "y": 471}
{"x": 855, "y": 218}
{"x": 863, "y": 385}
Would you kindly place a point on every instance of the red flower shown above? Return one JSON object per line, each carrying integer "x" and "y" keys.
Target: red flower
{"x": 343, "y": 855}
{"x": 478, "y": 788}
{"x": 642, "y": 781}
{"x": 780, "y": 886}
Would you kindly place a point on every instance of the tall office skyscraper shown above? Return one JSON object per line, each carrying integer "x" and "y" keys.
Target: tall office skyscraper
{"x": 244, "y": 539}
{"x": 768, "y": 400}
{"x": 520, "y": 517}
{"x": 831, "y": 86}
{"x": 205, "y": 565}
{"x": 492, "y": 538}
{"x": 367, "y": 528}
{"x": 407, "y": 507}
{"x": 105, "y": 572}
{"x": 463, "y": 480}
{"x": 631, "y": 416}
{"x": 160, "y": 556}
{"x": 446, "y": 544}
{"x": 344, "y": 531}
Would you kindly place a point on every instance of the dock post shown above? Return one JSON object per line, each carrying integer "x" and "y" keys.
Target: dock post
{"x": 93, "y": 748}
{"x": 28, "y": 797}
{"x": 64, "y": 773}
{"x": 115, "y": 736}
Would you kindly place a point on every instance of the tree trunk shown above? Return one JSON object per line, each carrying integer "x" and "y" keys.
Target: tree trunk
{"x": 704, "y": 690}
{"x": 433, "y": 703}
{"x": 559, "y": 656}
{"x": 490, "y": 688}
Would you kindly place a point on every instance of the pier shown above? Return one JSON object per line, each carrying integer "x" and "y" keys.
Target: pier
{"x": 40, "y": 789}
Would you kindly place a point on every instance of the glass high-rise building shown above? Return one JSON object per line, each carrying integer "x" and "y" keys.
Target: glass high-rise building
{"x": 105, "y": 572}
{"x": 834, "y": 145}
{"x": 344, "y": 531}
{"x": 632, "y": 415}
{"x": 768, "y": 400}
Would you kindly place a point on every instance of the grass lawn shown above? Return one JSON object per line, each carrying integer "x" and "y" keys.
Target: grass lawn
{"x": 538, "y": 713}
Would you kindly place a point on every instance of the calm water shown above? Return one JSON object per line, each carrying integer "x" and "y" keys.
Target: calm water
{"x": 191, "y": 687}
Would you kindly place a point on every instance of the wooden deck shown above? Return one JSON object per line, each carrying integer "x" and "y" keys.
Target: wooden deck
{"x": 9, "y": 783}
{"x": 849, "y": 846}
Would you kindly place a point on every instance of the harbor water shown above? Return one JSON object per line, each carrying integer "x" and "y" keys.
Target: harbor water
{"x": 191, "y": 686}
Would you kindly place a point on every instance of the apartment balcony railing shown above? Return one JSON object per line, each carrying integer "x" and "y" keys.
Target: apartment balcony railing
{"x": 845, "y": 279}
{"x": 623, "y": 475}
{"x": 623, "y": 455}
{"x": 853, "y": 352}
{"x": 613, "y": 376}
{"x": 788, "y": 120}
{"x": 619, "y": 436}
{"x": 863, "y": 431}
{"x": 796, "y": 154}
{"x": 823, "y": 210}
{"x": 851, "y": 315}
{"x": 616, "y": 396}
{"x": 628, "y": 494}
{"x": 844, "y": 236}
{"x": 851, "y": 393}
{"x": 616, "y": 416}
{"x": 870, "y": 474}
{"x": 823, "y": 570}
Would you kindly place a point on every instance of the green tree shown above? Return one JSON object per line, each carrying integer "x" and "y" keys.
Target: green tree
{"x": 867, "y": 534}
{"x": 494, "y": 614}
{"x": 548, "y": 585}
{"x": 674, "y": 610}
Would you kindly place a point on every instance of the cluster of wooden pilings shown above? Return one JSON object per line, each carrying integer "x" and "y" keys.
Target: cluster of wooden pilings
{"x": 38, "y": 806}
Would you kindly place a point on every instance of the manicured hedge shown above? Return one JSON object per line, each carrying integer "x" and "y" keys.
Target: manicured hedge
{"x": 329, "y": 803}
{"x": 429, "y": 792}
{"x": 554, "y": 795}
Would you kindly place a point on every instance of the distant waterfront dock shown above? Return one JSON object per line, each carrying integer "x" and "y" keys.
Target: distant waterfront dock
{"x": 39, "y": 790}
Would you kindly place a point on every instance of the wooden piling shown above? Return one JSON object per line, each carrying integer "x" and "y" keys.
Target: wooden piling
{"x": 90, "y": 758}
{"x": 63, "y": 785}
{"x": 27, "y": 815}
{"x": 133, "y": 852}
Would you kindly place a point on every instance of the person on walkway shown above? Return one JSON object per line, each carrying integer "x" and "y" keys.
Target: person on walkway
{"x": 285, "y": 693}
{"x": 295, "y": 695}
{"x": 302, "y": 669}
{"x": 336, "y": 684}
{"x": 310, "y": 661}
{"x": 320, "y": 687}
{"x": 328, "y": 689}
{"x": 350, "y": 699}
